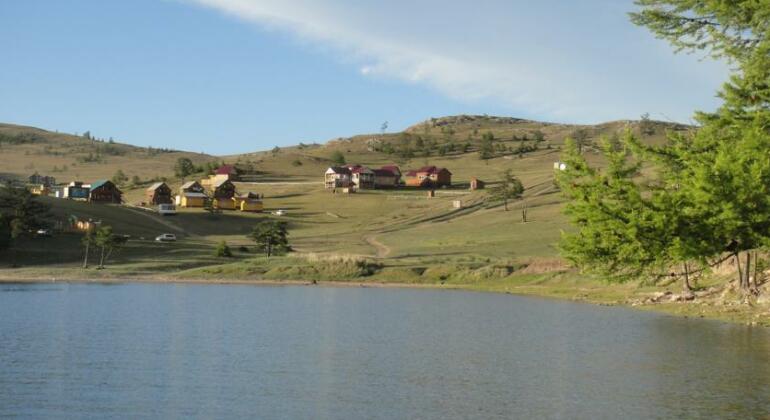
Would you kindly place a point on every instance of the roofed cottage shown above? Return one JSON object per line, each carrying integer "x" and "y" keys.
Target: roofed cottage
{"x": 159, "y": 193}
{"x": 248, "y": 202}
{"x": 429, "y": 176}
{"x": 387, "y": 177}
{"x": 192, "y": 194}
{"x": 222, "y": 193}
{"x": 105, "y": 191}
{"x": 337, "y": 177}
{"x": 362, "y": 177}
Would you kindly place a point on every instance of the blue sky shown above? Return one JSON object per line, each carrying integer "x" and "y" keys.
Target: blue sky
{"x": 228, "y": 76}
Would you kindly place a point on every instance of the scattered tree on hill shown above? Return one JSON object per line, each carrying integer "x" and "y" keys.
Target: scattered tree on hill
{"x": 338, "y": 158}
{"x": 384, "y": 128}
{"x": 580, "y": 137}
{"x": 646, "y": 126}
{"x": 88, "y": 240}
{"x": 271, "y": 237}
{"x": 107, "y": 243}
{"x": 119, "y": 178}
{"x": 87, "y": 135}
{"x": 538, "y": 136}
{"x": 487, "y": 148}
{"x": 275, "y": 150}
{"x": 184, "y": 167}
{"x": 509, "y": 188}
{"x": 223, "y": 250}
{"x": 136, "y": 181}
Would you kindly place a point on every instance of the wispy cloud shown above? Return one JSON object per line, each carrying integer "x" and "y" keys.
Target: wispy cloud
{"x": 560, "y": 60}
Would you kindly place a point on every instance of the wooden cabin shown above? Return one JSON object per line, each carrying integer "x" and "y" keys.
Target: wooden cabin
{"x": 105, "y": 191}
{"x": 159, "y": 193}
{"x": 222, "y": 192}
{"x": 362, "y": 177}
{"x": 226, "y": 172}
{"x": 477, "y": 184}
{"x": 192, "y": 194}
{"x": 429, "y": 177}
{"x": 248, "y": 202}
{"x": 387, "y": 177}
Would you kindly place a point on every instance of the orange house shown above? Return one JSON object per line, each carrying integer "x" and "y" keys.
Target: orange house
{"x": 429, "y": 177}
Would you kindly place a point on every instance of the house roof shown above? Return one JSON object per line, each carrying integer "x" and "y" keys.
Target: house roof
{"x": 189, "y": 184}
{"x": 155, "y": 186}
{"x": 218, "y": 183}
{"x": 430, "y": 170}
{"x": 226, "y": 170}
{"x": 393, "y": 168}
{"x": 100, "y": 183}
{"x": 249, "y": 195}
{"x": 339, "y": 170}
{"x": 358, "y": 169}
{"x": 411, "y": 173}
{"x": 385, "y": 172}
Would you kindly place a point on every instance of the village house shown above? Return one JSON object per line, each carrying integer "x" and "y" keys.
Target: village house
{"x": 105, "y": 191}
{"x": 362, "y": 177}
{"x": 76, "y": 190}
{"x": 226, "y": 172}
{"x": 37, "y": 179}
{"x": 429, "y": 177}
{"x": 191, "y": 194}
{"x": 222, "y": 192}
{"x": 387, "y": 177}
{"x": 248, "y": 202}
{"x": 40, "y": 189}
{"x": 337, "y": 177}
{"x": 159, "y": 193}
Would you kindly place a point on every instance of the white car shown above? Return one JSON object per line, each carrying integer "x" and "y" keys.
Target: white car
{"x": 280, "y": 212}
{"x": 166, "y": 237}
{"x": 167, "y": 209}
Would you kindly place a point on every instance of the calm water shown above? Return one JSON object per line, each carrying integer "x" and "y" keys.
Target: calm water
{"x": 179, "y": 351}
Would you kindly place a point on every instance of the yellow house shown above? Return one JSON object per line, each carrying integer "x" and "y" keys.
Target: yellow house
{"x": 191, "y": 194}
{"x": 40, "y": 189}
{"x": 248, "y": 202}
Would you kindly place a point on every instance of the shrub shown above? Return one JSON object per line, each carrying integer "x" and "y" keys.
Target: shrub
{"x": 223, "y": 250}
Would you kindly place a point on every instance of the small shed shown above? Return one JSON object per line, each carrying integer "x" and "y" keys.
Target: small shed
{"x": 159, "y": 193}
{"x": 248, "y": 202}
{"x": 105, "y": 191}
{"x": 477, "y": 184}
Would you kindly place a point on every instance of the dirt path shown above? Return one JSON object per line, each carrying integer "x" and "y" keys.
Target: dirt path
{"x": 381, "y": 250}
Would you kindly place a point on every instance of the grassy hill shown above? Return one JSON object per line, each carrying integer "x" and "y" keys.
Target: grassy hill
{"x": 404, "y": 228}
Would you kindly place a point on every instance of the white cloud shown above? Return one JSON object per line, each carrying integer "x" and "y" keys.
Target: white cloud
{"x": 560, "y": 60}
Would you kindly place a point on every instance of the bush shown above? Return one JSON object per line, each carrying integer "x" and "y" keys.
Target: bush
{"x": 223, "y": 250}
{"x": 243, "y": 248}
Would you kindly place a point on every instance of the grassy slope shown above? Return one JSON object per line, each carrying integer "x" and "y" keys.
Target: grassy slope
{"x": 415, "y": 239}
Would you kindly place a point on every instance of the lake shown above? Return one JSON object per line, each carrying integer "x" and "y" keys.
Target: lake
{"x": 294, "y": 352}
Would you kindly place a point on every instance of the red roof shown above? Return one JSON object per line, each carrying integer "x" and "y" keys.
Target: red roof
{"x": 392, "y": 168}
{"x": 430, "y": 170}
{"x": 226, "y": 170}
{"x": 340, "y": 170}
{"x": 385, "y": 172}
{"x": 357, "y": 169}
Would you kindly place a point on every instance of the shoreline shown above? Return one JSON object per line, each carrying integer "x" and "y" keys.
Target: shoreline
{"x": 698, "y": 310}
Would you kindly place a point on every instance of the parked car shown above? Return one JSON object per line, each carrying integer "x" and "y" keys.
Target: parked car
{"x": 167, "y": 209}
{"x": 279, "y": 212}
{"x": 44, "y": 232}
{"x": 166, "y": 237}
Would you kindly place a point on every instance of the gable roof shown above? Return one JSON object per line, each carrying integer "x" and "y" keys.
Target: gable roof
{"x": 156, "y": 185}
{"x": 100, "y": 183}
{"x": 393, "y": 168}
{"x": 218, "y": 183}
{"x": 190, "y": 184}
{"x": 226, "y": 170}
{"x": 358, "y": 169}
{"x": 385, "y": 172}
{"x": 339, "y": 170}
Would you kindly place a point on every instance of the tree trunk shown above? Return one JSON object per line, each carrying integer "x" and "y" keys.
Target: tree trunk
{"x": 740, "y": 272}
{"x": 524, "y": 215}
{"x": 686, "y": 285}
{"x": 747, "y": 275}
{"x": 505, "y": 204}
{"x": 85, "y": 259}
{"x": 101, "y": 259}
